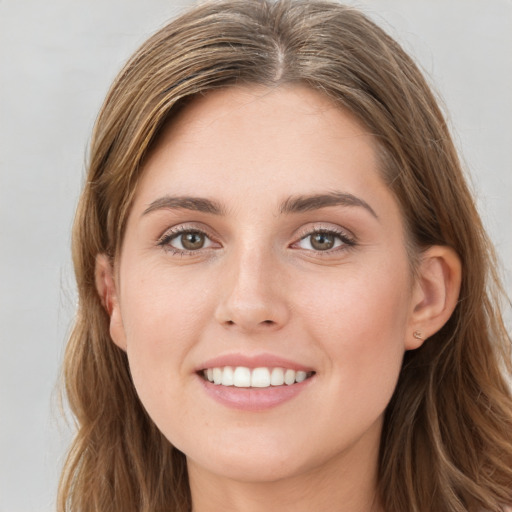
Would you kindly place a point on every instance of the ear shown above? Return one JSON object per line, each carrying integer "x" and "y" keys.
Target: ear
{"x": 107, "y": 290}
{"x": 435, "y": 294}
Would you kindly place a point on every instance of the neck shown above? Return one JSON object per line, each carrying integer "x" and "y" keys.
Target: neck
{"x": 345, "y": 483}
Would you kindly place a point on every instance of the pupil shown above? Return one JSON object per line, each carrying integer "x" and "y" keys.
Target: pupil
{"x": 192, "y": 241}
{"x": 322, "y": 241}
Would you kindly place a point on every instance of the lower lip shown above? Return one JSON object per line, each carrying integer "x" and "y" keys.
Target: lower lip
{"x": 253, "y": 399}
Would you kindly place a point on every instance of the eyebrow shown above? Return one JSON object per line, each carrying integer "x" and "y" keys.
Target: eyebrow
{"x": 294, "y": 204}
{"x": 315, "y": 202}
{"x": 197, "y": 204}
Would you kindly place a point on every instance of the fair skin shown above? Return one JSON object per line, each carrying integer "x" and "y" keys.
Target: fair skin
{"x": 228, "y": 256}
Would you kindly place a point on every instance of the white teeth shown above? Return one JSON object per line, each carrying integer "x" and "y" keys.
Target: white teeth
{"x": 227, "y": 376}
{"x": 260, "y": 378}
{"x": 300, "y": 376}
{"x": 243, "y": 377}
{"x": 289, "y": 377}
{"x": 217, "y": 375}
{"x": 277, "y": 377}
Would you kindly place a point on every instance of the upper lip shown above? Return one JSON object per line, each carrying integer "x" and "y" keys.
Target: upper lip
{"x": 253, "y": 361}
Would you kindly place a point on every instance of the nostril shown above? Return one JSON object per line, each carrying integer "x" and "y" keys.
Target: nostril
{"x": 268, "y": 322}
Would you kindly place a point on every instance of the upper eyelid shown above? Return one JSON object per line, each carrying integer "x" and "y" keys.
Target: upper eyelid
{"x": 184, "y": 228}
{"x": 325, "y": 228}
{"x": 346, "y": 236}
{"x": 170, "y": 234}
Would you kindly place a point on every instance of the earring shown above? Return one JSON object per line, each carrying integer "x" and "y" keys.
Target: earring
{"x": 418, "y": 335}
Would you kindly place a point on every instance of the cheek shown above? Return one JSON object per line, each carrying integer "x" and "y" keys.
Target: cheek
{"x": 359, "y": 318}
{"x": 160, "y": 308}
{"x": 163, "y": 320}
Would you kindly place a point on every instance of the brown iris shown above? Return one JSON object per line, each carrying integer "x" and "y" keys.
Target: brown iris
{"x": 192, "y": 241}
{"x": 322, "y": 241}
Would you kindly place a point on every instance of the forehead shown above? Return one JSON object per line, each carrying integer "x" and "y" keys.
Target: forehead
{"x": 262, "y": 112}
{"x": 255, "y": 136}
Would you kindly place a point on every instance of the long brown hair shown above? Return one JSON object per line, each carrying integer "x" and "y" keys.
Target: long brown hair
{"x": 446, "y": 443}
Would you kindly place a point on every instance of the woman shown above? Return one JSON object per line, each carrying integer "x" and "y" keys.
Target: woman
{"x": 287, "y": 298}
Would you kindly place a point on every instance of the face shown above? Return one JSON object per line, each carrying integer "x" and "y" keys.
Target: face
{"x": 262, "y": 247}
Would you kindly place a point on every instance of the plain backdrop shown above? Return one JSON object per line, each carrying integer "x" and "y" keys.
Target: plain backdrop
{"x": 57, "y": 59}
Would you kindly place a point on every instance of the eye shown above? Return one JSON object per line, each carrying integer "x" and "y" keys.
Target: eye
{"x": 324, "y": 240}
{"x": 186, "y": 240}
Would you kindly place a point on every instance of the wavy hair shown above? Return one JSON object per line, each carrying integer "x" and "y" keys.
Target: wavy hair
{"x": 446, "y": 442}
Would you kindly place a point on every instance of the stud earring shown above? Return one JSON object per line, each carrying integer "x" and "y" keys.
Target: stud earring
{"x": 418, "y": 335}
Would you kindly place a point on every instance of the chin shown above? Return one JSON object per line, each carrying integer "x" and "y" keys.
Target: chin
{"x": 256, "y": 460}
{"x": 264, "y": 469}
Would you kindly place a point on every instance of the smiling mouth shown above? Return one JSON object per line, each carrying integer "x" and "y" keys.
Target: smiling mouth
{"x": 262, "y": 377}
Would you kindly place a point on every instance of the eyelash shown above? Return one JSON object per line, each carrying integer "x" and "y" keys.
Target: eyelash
{"x": 347, "y": 241}
{"x": 165, "y": 240}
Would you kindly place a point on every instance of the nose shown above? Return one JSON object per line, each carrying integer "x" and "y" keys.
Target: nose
{"x": 253, "y": 294}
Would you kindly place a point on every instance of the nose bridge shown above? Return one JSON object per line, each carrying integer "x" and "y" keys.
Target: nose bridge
{"x": 252, "y": 297}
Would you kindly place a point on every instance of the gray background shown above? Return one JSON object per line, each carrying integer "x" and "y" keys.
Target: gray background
{"x": 57, "y": 59}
